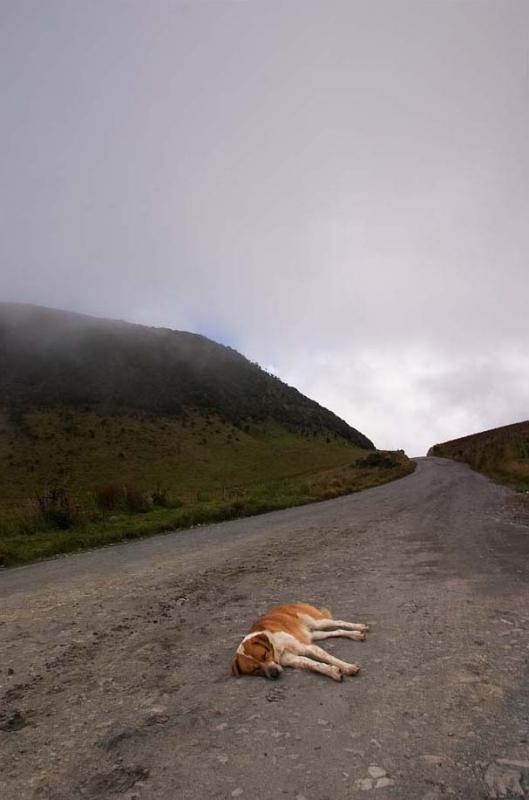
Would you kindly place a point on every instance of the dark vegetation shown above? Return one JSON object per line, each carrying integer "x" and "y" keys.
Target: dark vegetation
{"x": 57, "y": 358}
{"x": 380, "y": 459}
{"x": 111, "y": 431}
{"x": 501, "y": 453}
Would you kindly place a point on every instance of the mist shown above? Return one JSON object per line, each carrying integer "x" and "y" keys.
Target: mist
{"x": 339, "y": 190}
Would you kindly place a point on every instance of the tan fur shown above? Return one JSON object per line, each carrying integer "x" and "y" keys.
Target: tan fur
{"x": 284, "y": 636}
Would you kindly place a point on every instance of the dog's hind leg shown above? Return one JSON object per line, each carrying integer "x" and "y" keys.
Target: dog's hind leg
{"x": 325, "y": 624}
{"x": 299, "y": 662}
{"x": 357, "y": 636}
{"x": 322, "y": 655}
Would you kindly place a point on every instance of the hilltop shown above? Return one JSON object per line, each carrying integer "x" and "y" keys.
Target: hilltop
{"x": 57, "y": 358}
{"x": 502, "y": 453}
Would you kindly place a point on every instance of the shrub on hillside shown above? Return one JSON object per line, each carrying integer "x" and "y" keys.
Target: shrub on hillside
{"x": 109, "y": 497}
{"x": 159, "y": 497}
{"x": 135, "y": 500}
{"x": 56, "y": 508}
{"x": 115, "y": 496}
{"x": 378, "y": 460}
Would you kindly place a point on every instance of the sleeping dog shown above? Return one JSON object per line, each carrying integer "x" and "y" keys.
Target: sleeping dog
{"x": 284, "y": 638}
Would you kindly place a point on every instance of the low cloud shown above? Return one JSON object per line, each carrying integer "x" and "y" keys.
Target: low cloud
{"x": 413, "y": 399}
{"x": 338, "y": 189}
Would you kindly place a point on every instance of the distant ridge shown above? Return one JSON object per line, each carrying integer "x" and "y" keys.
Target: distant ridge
{"x": 502, "y": 453}
{"x": 53, "y": 358}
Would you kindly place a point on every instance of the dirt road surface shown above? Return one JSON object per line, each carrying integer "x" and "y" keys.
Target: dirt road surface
{"x": 114, "y": 664}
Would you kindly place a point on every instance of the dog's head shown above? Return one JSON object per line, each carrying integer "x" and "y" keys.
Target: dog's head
{"x": 255, "y": 656}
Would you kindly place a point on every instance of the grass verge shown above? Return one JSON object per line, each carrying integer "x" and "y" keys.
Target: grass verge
{"x": 21, "y": 543}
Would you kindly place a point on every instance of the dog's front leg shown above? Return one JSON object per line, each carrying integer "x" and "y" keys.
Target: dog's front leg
{"x": 300, "y": 662}
{"x": 317, "y": 652}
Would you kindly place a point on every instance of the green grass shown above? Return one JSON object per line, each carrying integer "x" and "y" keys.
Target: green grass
{"x": 500, "y": 453}
{"x": 209, "y": 469}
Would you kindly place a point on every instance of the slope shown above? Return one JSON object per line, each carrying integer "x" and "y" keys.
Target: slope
{"x": 50, "y": 358}
{"x": 502, "y": 453}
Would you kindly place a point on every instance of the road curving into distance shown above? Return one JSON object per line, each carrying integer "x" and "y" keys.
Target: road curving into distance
{"x": 114, "y": 664}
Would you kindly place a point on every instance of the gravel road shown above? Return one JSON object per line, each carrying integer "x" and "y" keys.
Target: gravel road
{"x": 114, "y": 664}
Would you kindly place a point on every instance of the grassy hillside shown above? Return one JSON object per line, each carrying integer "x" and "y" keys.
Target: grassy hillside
{"x": 110, "y": 431}
{"x": 71, "y": 479}
{"x": 501, "y": 453}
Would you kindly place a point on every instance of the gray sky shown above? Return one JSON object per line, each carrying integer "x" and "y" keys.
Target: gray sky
{"x": 340, "y": 190}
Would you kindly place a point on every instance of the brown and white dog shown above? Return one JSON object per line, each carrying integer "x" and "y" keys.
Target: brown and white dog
{"x": 284, "y": 638}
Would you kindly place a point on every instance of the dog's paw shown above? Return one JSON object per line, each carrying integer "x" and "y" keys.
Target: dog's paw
{"x": 363, "y": 628}
{"x": 351, "y": 669}
{"x": 358, "y": 636}
{"x": 336, "y": 674}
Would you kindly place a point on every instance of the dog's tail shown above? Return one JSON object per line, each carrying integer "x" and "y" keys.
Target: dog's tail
{"x": 327, "y": 612}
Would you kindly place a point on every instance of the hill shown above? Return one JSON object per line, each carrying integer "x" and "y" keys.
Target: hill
{"x": 58, "y": 358}
{"x": 110, "y": 430}
{"x": 502, "y": 453}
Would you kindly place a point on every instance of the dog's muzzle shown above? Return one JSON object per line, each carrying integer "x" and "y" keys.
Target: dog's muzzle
{"x": 272, "y": 672}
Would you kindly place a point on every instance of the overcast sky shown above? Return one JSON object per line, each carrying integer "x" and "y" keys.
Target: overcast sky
{"x": 339, "y": 190}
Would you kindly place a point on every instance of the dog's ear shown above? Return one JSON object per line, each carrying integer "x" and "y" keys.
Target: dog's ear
{"x": 265, "y": 640}
{"x": 235, "y": 671}
{"x": 262, "y": 638}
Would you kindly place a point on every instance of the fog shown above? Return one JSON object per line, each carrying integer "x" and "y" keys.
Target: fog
{"x": 339, "y": 190}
